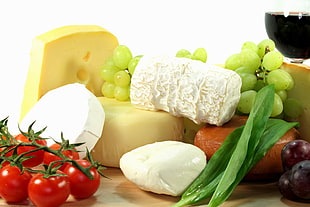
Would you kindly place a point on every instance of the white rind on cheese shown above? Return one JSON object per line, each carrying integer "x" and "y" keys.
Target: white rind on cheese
{"x": 127, "y": 128}
{"x": 71, "y": 109}
{"x": 188, "y": 88}
{"x": 166, "y": 167}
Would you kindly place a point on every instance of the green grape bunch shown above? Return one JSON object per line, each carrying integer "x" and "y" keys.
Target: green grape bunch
{"x": 117, "y": 72}
{"x": 119, "y": 68}
{"x": 199, "y": 54}
{"x": 259, "y": 65}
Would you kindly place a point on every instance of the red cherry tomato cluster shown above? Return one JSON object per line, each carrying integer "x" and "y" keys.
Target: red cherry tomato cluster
{"x": 58, "y": 187}
{"x": 46, "y": 176}
{"x": 50, "y": 157}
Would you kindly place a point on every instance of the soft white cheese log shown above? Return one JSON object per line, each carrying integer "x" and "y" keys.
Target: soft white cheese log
{"x": 127, "y": 128}
{"x": 71, "y": 109}
{"x": 166, "y": 167}
{"x": 188, "y": 88}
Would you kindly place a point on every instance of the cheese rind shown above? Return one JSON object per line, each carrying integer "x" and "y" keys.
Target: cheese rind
{"x": 127, "y": 128}
{"x": 167, "y": 167}
{"x": 67, "y": 55}
{"x": 72, "y": 110}
{"x": 301, "y": 76}
{"x": 185, "y": 88}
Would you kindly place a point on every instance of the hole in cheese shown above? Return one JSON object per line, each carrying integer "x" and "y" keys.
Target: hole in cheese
{"x": 82, "y": 76}
{"x": 86, "y": 56}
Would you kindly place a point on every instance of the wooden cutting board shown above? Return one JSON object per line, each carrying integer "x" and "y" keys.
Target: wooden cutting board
{"x": 118, "y": 191}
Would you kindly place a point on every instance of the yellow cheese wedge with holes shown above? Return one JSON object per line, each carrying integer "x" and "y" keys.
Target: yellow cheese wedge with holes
{"x": 69, "y": 54}
{"x": 127, "y": 128}
{"x": 300, "y": 91}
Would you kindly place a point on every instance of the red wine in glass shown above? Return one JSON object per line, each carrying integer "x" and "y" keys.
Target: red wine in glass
{"x": 291, "y": 34}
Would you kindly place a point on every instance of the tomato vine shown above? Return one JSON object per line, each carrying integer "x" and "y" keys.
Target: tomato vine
{"x": 26, "y": 152}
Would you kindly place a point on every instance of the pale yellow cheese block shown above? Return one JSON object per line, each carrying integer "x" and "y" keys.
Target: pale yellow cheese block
{"x": 301, "y": 92}
{"x": 67, "y": 55}
{"x": 127, "y": 128}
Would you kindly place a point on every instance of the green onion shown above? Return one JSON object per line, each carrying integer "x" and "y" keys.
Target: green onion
{"x": 275, "y": 129}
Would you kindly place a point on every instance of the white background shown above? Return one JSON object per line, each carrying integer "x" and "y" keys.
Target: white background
{"x": 159, "y": 26}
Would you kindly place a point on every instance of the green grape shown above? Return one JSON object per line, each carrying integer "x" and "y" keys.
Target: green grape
{"x": 121, "y": 93}
{"x": 248, "y": 81}
{"x": 107, "y": 72}
{"x": 282, "y": 94}
{"x": 200, "y": 54}
{"x": 233, "y": 62}
{"x": 250, "y": 59}
{"x": 261, "y": 74}
{"x": 121, "y": 56}
{"x": 133, "y": 63}
{"x": 189, "y": 56}
{"x": 277, "y": 106}
{"x": 249, "y": 45}
{"x": 122, "y": 78}
{"x": 264, "y": 46}
{"x": 259, "y": 84}
{"x": 109, "y": 61}
{"x": 281, "y": 79}
{"x": 246, "y": 101}
{"x": 183, "y": 53}
{"x": 244, "y": 69}
{"x": 272, "y": 60}
{"x": 292, "y": 108}
{"x": 107, "y": 89}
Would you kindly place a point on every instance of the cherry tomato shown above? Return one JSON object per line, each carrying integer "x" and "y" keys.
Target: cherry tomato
{"x": 48, "y": 192}
{"x": 49, "y": 157}
{"x": 81, "y": 186}
{"x": 14, "y": 184}
{"x": 38, "y": 155}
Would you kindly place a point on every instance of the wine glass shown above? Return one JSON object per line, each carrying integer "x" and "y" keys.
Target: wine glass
{"x": 287, "y": 23}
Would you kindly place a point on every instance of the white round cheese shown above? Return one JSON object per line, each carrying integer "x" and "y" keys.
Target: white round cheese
{"x": 72, "y": 110}
{"x": 166, "y": 167}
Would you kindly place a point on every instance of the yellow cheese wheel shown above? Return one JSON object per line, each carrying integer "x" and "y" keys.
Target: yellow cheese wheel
{"x": 300, "y": 91}
{"x": 67, "y": 55}
{"x": 127, "y": 128}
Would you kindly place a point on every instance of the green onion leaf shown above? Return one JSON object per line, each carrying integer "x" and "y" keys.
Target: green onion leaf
{"x": 240, "y": 151}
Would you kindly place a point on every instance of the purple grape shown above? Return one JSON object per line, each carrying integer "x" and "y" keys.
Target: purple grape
{"x": 284, "y": 186}
{"x": 294, "y": 152}
{"x": 299, "y": 179}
